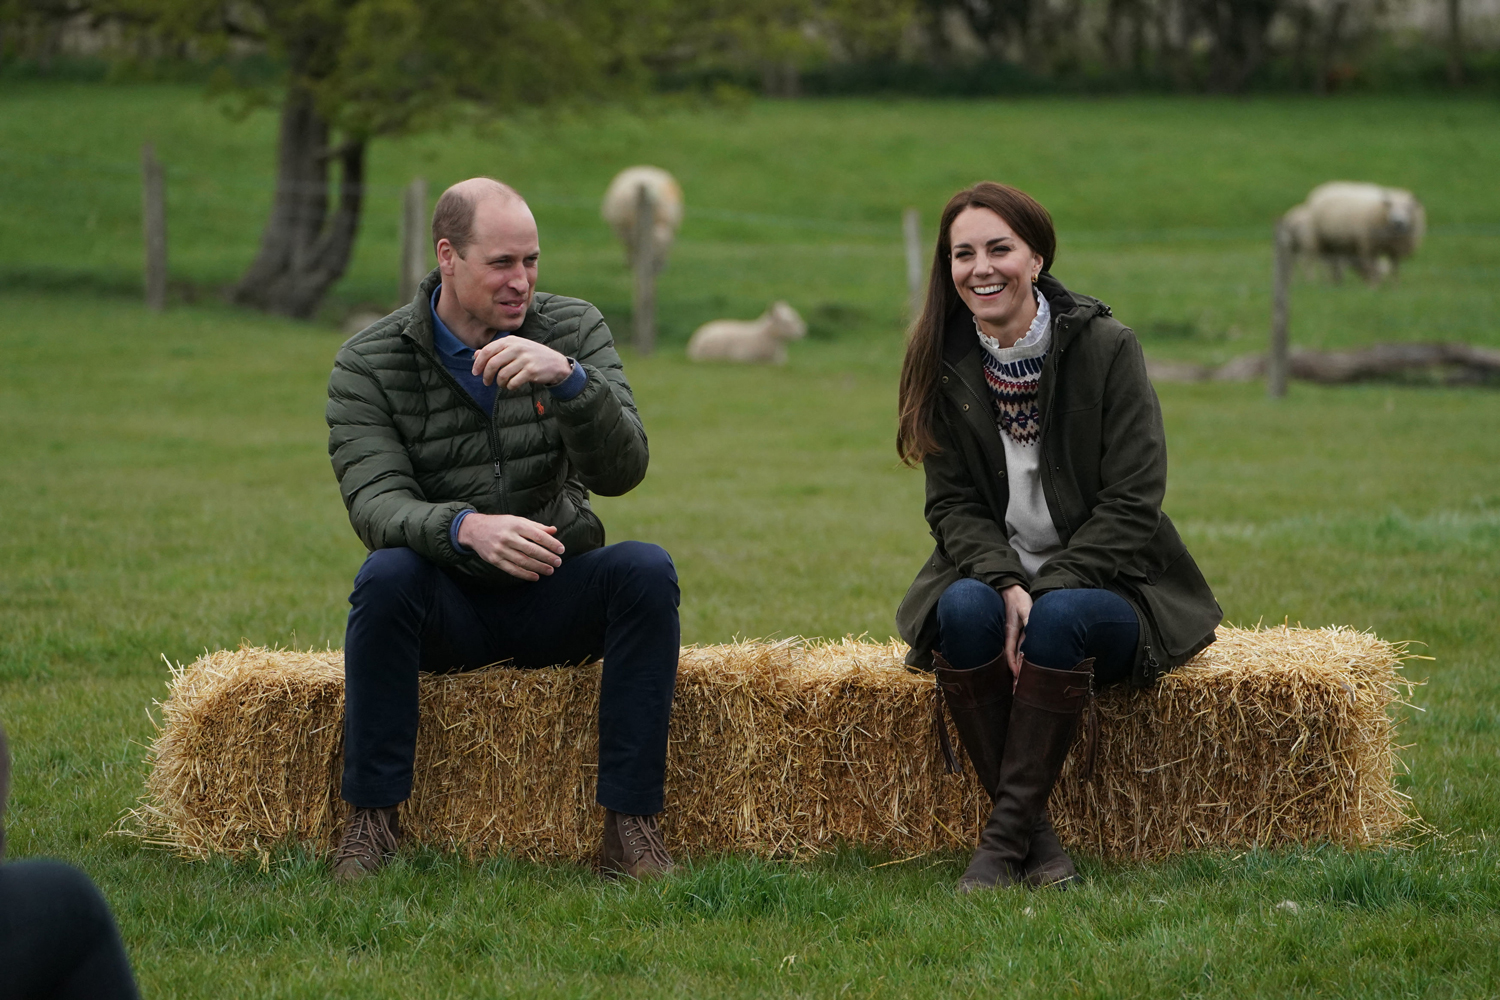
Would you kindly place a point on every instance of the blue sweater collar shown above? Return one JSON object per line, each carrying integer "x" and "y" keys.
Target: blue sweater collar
{"x": 444, "y": 341}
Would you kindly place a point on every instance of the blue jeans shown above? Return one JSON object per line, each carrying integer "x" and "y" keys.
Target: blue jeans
{"x": 406, "y": 615}
{"x": 1066, "y": 627}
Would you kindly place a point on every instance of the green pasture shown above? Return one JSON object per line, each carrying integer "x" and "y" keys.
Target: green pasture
{"x": 1164, "y": 206}
{"x": 165, "y": 490}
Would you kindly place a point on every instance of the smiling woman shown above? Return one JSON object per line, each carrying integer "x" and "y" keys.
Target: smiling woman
{"x": 1055, "y": 569}
{"x": 993, "y": 266}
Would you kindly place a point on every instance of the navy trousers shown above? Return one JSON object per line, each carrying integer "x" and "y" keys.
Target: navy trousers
{"x": 57, "y": 937}
{"x": 407, "y": 615}
{"x": 1066, "y": 627}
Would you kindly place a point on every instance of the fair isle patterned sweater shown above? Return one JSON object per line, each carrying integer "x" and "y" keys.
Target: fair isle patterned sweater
{"x": 1014, "y": 375}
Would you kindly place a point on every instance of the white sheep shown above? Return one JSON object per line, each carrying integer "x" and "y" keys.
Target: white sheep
{"x": 620, "y": 204}
{"x": 1298, "y": 223}
{"x": 1367, "y": 226}
{"x": 761, "y": 340}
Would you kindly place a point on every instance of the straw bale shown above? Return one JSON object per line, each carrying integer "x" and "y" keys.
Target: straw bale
{"x": 1269, "y": 737}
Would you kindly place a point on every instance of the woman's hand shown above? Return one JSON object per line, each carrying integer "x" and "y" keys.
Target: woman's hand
{"x": 1017, "y": 614}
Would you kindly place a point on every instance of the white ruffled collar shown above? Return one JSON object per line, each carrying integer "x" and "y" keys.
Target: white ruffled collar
{"x": 1038, "y": 337}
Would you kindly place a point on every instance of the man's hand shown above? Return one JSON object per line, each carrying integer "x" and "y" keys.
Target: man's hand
{"x": 1017, "y": 614}
{"x": 521, "y": 547}
{"x": 512, "y": 362}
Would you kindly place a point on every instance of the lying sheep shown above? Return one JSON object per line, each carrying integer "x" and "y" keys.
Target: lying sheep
{"x": 761, "y": 340}
{"x": 620, "y": 205}
{"x": 1367, "y": 226}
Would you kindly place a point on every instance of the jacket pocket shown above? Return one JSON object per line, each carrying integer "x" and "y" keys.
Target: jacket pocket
{"x": 916, "y": 620}
{"x": 1158, "y": 556}
{"x": 1182, "y": 607}
{"x": 578, "y": 527}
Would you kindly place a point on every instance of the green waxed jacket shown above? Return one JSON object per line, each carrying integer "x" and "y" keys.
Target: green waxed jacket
{"x": 411, "y": 448}
{"x": 1104, "y": 473}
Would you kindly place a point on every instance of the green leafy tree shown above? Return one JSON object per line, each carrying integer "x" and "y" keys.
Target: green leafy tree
{"x": 781, "y": 38}
{"x": 356, "y": 70}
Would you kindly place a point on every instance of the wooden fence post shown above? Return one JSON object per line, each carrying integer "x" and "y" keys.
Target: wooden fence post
{"x": 414, "y": 236}
{"x": 1281, "y": 288}
{"x": 154, "y": 227}
{"x": 1455, "y": 44}
{"x": 645, "y": 270}
{"x": 911, "y": 231}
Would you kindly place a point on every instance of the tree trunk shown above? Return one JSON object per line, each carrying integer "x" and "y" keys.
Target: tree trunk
{"x": 1174, "y": 29}
{"x": 1455, "y": 44}
{"x": 1332, "y": 38}
{"x": 1109, "y": 35}
{"x": 304, "y": 248}
{"x": 1455, "y": 364}
{"x": 1239, "y": 28}
{"x": 1138, "y": 40}
{"x": 1450, "y": 364}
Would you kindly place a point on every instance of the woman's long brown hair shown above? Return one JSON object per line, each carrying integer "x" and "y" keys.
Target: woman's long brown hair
{"x": 924, "y": 352}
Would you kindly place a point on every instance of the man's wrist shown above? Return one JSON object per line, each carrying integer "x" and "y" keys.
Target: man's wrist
{"x": 572, "y": 385}
{"x": 458, "y": 519}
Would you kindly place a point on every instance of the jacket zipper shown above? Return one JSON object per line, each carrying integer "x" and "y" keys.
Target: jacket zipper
{"x": 1042, "y": 440}
{"x": 1102, "y": 310}
{"x": 489, "y": 427}
{"x": 494, "y": 453}
{"x": 1152, "y": 667}
{"x": 489, "y": 419}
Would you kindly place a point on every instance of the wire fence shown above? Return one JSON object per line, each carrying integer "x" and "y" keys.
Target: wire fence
{"x": 215, "y": 218}
{"x": 183, "y": 183}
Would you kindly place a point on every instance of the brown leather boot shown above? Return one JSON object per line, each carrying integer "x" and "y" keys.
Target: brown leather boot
{"x": 1042, "y": 723}
{"x": 1047, "y": 865}
{"x": 979, "y": 701}
{"x": 633, "y": 847}
{"x": 371, "y": 837}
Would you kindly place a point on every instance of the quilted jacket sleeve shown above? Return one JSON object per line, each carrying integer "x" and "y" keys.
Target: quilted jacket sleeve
{"x": 600, "y": 426}
{"x": 374, "y": 470}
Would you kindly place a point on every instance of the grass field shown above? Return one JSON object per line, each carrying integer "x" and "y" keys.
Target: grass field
{"x": 166, "y": 489}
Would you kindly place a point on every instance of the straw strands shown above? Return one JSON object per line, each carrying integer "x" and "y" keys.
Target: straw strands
{"x": 1269, "y": 737}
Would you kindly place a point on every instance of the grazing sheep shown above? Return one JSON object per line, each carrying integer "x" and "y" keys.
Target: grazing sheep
{"x": 620, "y": 203}
{"x": 761, "y": 340}
{"x": 1367, "y": 226}
{"x": 1298, "y": 222}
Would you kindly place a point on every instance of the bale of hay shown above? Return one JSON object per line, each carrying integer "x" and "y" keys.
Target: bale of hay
{"x": 1266, "y": 738}
{"x": 1269, "y": 737}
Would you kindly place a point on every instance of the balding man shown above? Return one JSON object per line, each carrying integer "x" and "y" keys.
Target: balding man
{"x": 467, "y": 430}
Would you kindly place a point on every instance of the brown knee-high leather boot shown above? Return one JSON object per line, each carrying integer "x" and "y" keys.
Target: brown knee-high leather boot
{"x": 980, "y": 703}
{"x": 1044, "y": 713}
{"x": 979, "y": 700}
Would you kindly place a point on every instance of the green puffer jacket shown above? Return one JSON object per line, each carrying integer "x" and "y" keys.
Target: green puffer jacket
{"x": 1104, "y": 473}
{"x": 411, "y": 448}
